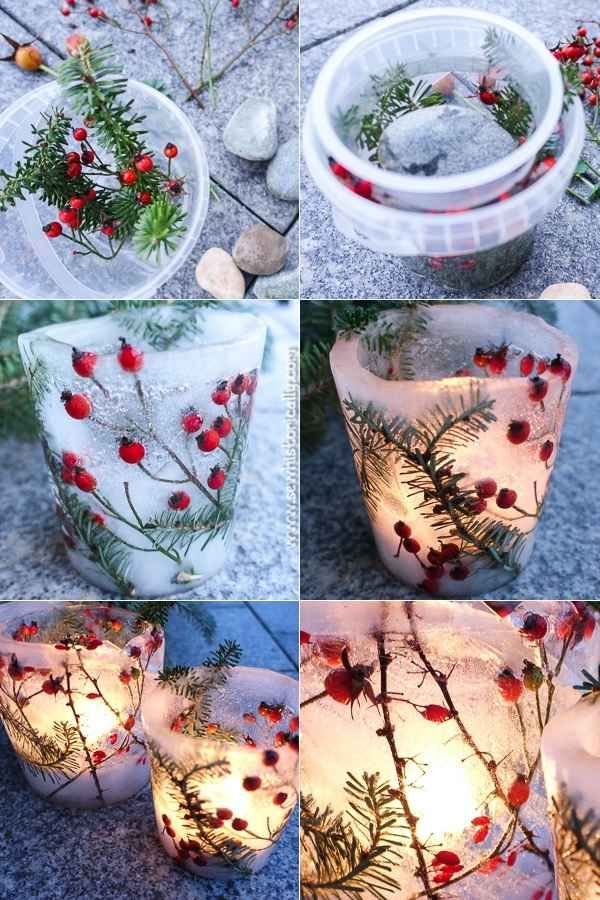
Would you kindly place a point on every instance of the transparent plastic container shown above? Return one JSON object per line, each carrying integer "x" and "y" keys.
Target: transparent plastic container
{"x": 470, "y": 249}
{"x": 429, "y": 43}
{"x": 33, "y": 267}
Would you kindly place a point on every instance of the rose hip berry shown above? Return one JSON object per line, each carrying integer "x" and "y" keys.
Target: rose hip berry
{"x": 435, "y": 713}
{"x": 506, "y": 498}
{"x": 191, "y": 421}
{"x": 171, "y": 151}
{"x": 85, "y": 481}
{"x": 53, "y": 229}
{"x": 526, "y": 365}
{"x": 518, "y": 432}
{"x": 239, "y": 824}
{"x": 535, "y": 627}
{"x": 221, "y": 394}
{"x": 208, "y": 440}
{"x": 238, "y": 385}
{"x": 216, "y": 479}
{"x": 486, "y": 488}
{"x": 560, "y": 366}
{"x": 509, "y": 685}
{"x": 270, "y": 758}
{"x": 67, "y": 475}
{"x": 251, "y": 783}
{"x": 279, "y": 799}
{"x": 144, "y": 198}
{"x": 128, "y": 177}
{"x": 84, "y": 362}
{"x": 130, "y": 359}
{"x": 402, "y": 529}
{"x": 538, "y": 388}
{"x": 222, "y": 425}
{"x": 518, "y": 792}
{"x": 80, "y": 134}
{"x": 546, "y": 451}
{"x": 78, "y": 406}
{"x": 131, "y": 452}
{"x": 144, "y": 163}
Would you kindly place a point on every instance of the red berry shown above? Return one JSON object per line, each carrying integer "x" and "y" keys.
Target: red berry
{"x": 518, "y": 432}
{"x": 74, "y": 170}
{"x": 70, "y": 460}
{"x": 145, "y": 198}
{"x": 128, "y": 177}
{"x": 223, "y": 813}
{"x": 239, "y": 824}
{"x": 53, "y": 230}
{"x": 506, "y": 498}
{"x": 87, "y": 157}
{"x": 488, "y": 97}
{"x": 592, "y": 99}
{"x": 527, "y": 364}
{"x": 80, "y": 134}
{"x": 129, "y": 358}
{"x": 65, "y": 11}
{"x": 270, "y": 758}
{"x": 449, "y": 552}
{"x": 434, "y": 713}
{"x": 78, "y": 406}
{"x": 509, "y": 686}
{"x": 511, "y": 858}
{"x": 67, "y": 475}
{"x": 131, "y": 452}
{"x": 518, "y": 792}
{"x": 208, "y": 440}
{"x": 481, "y": 834}
{"x": 480, "y": 820}
{"x": 497, "y": 361}
{"x": 445, "y": 858}
{"x": 77, "y": 202}
{"x": 222, "y": 425}
{"x": 582, "y": 32}
{"x": 238, "y": 385}
{"x": 339, "y": 171}
{"x": 412, "y": 546}
{"x": 481, "y": 358}
{"x": 98, "y": 519}
{"x": 251, "y": 783}
{"x": 221, "y": 394}
{"x": 84, "y": 362}
{"x": 534, "y": 627}
{"x": 144, "y": 163}
{"x": 216, "y": 479}
{"x": 538, "y": 388}
{"x": 98, "y": 756}
{"x": 148, "y": 22}
{"x": 279, "y": 799}
{"x": 171, "y": 151}
{"x": 402, "y": 529}
{"x": 587, "y": 60}
{"x": 191, "y": 421}
{"x": 486, "y": 488}
{"x": 73, "y": 156}
{"x": 344, "y": 686}
{"x": 69, "y": 217}
{"x": 560, "y": 366}
{"x": 85, "y": 481}
{"x": 363, "y": 189}
{"x": 108, "y": 230}
{"x": 294, "y": 723}
{"x": 546, "y": 451}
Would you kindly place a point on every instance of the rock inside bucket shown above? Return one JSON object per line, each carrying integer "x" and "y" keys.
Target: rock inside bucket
{"x": 443, "y": 140}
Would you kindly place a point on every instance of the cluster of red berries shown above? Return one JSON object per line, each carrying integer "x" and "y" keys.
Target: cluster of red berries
{"x": 89, "y": 641}
{"x": 25, "y": 632}
{"x": 584, "y": 52}
{"x": 446, "y": 863}
{"x": 141, "y": 165}
{"x": 357, "y": 185}
{"x": 482, "y": 828}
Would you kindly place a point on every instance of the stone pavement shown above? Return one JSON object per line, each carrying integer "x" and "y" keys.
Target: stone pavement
{"x": 333, "y": 266}
{"x": 268, "y": 70}
{"x": 264, "y": 562}
{"x": 339, "y": 559}
{"x": 47, "y": 852}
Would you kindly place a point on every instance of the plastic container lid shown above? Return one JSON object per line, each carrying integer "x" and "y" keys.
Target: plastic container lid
{"x": 32, "y": 266}
{"x": 432, "y": 40}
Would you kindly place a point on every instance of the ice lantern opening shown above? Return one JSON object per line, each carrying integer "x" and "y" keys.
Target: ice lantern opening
{"x": 421, "y": 729}
{"x": 72, "y": 678}
{"x": 454, "y": 416}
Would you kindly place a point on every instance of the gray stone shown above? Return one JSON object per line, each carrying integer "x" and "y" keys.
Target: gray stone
{"x": 443, "y": 140}
{"x": 252, "y": 130}
{"x": 219, "y": 276}
{"x": 283, "y": 176}
{"x": 260, "y": 251}
{"x": 283, "y": 286}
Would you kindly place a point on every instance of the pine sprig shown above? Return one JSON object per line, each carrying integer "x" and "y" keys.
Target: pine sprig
{"x": 47, "y": 756}
{"x": 351, "y": 855}
{"x": 577, "y": 845}
{"x": 512, "y": 112}
{"x": 590, "y": 687}
{"x": 43, "y": 166}
{"x": 163, "y": 327}
{"x": 159, "y": 229}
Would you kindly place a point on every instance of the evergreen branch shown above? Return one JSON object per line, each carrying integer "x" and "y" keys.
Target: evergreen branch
{"x": 175, "y": 529}
{"x": 162, "y": 326}
{"x": 590, "y": 687}
{"x": 158, "y": 229}
{"x": 346, "y": 862}
{"x": 43, "y": 166}
{"x": 512, "y": 112}
{"x": 577, "y": 846}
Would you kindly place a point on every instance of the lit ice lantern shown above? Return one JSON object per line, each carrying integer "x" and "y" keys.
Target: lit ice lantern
{"x": 71, "y": 683}
{"x": 144, "y": 419}
{"x": 224, "y": 767}
{"x": 571, "y": 761}
{"x": 454, "y": 417}
{"x": 421, "y": 729}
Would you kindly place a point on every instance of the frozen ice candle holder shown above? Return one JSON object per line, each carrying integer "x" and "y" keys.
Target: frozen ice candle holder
{"x": 224, "y": 756}
{"x": 72, "y": 680}
{"x": 454, "y": 417}
{"x": 571, "y": 760}
{"x": 421, "y": 726}
{"x": 144, "y": 420}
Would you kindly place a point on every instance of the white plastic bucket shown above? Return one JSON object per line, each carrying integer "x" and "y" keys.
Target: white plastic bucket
{"x": 33, "y": 267}
{"x": 428, "y": 42}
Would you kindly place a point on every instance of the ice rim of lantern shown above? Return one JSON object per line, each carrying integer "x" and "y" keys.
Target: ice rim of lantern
{"x": 54, "y": 760}
{"x": 174, "y": 530}
{"x": 218, "y": 849}
{"x": 457, "y": 406}
{"x": 409, "y": 636}
{"x": 369, "y": 35}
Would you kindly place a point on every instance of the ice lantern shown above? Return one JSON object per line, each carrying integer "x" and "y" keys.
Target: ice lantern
{"x": 454, "y": 416}
{"x": 144, "y": 421}
{"x": 571, "y": 759}
{"x": 71, "y": 683}
{"x": 224, "y": 789}
{"x": 421, "y": 726}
